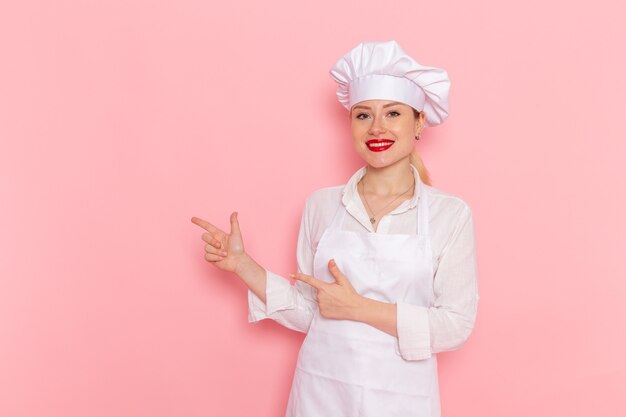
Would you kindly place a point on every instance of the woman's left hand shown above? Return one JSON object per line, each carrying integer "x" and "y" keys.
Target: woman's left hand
{"x": 336, "y": 300}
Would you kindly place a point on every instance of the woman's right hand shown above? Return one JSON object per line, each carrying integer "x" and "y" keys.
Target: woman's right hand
{"x": 223, "y": 250}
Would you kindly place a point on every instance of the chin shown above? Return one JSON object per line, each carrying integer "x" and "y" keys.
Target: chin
{"x": 378, "y": 163}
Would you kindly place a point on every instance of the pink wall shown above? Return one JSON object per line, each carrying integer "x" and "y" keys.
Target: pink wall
{"x": 120, "y": 120}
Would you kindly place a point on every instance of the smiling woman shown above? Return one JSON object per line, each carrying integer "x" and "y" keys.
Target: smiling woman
{"x": 400, "y": 123}
{"x": 386, "y": 262}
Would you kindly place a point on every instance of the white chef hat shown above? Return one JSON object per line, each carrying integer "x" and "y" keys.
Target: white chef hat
{"x": 383, "y": 71}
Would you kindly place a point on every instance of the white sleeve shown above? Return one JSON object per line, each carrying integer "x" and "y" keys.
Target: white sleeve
{"x": 446, "y": 325}
{"x": 293, "y": 306}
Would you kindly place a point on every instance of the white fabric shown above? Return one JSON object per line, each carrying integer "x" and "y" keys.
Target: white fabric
{"x": 356, "y": 368}
{"x": 381, "y": 70}
{"x": 422, "y": 331}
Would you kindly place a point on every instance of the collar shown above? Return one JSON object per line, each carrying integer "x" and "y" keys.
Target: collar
{"x": 350, "y": 193}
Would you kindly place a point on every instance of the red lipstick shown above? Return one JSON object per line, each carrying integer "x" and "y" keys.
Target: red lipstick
{"x": 379, "y": 145}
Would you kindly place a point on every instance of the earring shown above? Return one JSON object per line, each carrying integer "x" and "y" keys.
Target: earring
{"x": 418, "y": 136}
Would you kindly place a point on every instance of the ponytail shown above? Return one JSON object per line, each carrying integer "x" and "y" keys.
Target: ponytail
{"x": 417, "y": 162}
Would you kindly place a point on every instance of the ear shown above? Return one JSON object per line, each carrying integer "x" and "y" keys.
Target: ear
{"x": 418, "y": 123}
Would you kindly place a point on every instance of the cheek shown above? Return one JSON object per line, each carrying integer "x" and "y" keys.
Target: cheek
{"x": 405, "y": 130}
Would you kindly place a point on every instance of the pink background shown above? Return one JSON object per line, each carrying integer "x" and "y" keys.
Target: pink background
{"x": 120, "y": 120}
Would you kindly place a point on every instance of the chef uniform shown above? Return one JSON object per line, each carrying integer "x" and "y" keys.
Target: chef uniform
{"x": 350, "y": 368}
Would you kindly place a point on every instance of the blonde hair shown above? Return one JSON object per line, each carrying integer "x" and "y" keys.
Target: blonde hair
{"x": 417, "y": 162}
{"x": 416, "y": 159}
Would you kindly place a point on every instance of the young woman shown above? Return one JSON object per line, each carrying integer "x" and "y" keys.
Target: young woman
{"x": 387, "y": 271}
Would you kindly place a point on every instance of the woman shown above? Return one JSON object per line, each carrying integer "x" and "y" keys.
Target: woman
{"x": 387, "y": 273}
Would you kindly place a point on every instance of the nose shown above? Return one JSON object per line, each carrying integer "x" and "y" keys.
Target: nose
{"x": 377, "y": 127}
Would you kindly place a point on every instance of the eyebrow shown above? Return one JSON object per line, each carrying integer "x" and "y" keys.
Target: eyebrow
{"x": 369, "y": 108}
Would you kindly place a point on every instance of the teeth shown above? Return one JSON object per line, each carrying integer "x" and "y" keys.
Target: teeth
{"x": 380, "y": 144}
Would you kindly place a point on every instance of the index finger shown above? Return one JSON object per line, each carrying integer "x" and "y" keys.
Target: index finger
{"x": 205, "y": 225}
{"x": 312, "y": 281}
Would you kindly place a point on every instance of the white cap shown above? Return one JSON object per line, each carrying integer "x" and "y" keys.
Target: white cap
{"x": 383, "y": 71}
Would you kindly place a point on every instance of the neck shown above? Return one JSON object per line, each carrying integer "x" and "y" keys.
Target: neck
{"x": 390, "y": 180}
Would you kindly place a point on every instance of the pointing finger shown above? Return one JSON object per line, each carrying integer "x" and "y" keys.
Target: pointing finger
{"x": 205, "y": 225}
{"x": 312, "y": 281}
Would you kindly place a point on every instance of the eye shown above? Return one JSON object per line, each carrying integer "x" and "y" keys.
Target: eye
{"x": 358, "y": 116}
{"x": 394, "y": 113}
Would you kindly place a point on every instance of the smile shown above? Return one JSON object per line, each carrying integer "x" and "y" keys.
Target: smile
{"x": 379, "y": 145}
